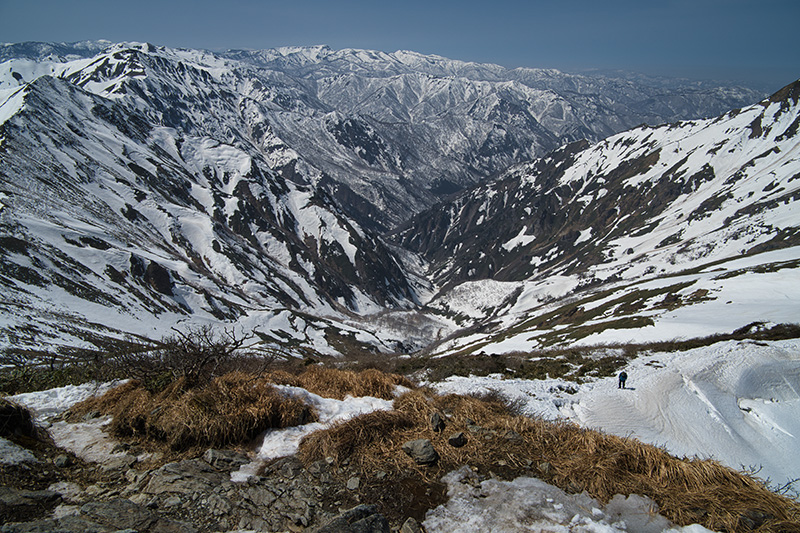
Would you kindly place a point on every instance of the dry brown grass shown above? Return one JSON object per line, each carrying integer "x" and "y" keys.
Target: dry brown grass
{"x": 230, "y": 409}
{"x": 334, "y": 383}
{"x": 366, "y": 431}
{"x": 573, "y": 458}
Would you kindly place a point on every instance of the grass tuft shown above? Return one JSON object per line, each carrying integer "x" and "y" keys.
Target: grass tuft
{"x": 231, "y": 409}
{"x": 338, "y": 384}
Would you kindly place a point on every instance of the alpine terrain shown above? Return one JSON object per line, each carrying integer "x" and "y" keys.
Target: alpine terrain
{"x": 500, "y": 243}
{"x": 143, "y": 187}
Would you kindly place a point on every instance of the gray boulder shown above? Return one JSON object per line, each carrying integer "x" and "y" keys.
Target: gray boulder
{"x": 437, "y": 423}
{"x": 457, "y": 440}
{"x": 421, "y": 451}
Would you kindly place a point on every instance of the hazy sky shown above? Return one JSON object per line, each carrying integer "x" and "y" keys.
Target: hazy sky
{"x": 754, "y": 41}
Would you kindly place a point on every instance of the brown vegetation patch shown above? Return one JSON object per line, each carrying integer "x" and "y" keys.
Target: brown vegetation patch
{"x": 572, "y": 458}
{"x": 364, "y": 432}
{"x": 334, "y": 383}
{"x": 231, "y": 409}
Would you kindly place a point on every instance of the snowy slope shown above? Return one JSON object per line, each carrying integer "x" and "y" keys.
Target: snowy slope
{"x": 144, "y": 188}
{"x": 114, "y": 224}
{"x": 678, "y": 231}
{"x": 387, "y": 134}
{"x": 735, "y": 402}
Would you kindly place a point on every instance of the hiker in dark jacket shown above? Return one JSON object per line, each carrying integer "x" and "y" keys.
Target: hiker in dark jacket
{"x": 623, "y": 377}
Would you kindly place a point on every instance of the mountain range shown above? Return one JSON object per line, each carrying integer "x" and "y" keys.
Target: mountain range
{"x": 392, "y": 200}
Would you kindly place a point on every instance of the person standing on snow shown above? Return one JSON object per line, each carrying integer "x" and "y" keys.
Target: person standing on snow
{"x": 623, "y": 377}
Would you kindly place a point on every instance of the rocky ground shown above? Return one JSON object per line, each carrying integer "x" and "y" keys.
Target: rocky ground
{"x": 61, "y": 492}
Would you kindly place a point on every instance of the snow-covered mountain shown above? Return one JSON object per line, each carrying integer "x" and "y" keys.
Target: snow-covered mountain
{"x": 385, "y": 134}
{"x": 674, "y": 195}
{"x": 688, "y": 215}
{"x": 114, "y": 217}
{"x": 143, "y": 187}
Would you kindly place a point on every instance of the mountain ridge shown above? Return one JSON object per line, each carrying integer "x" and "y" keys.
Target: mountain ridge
{"x": 180, "y": 185}
{"x": 446, "y": 124}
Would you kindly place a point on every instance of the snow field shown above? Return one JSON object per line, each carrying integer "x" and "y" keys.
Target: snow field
{"x": 735, "y": 402}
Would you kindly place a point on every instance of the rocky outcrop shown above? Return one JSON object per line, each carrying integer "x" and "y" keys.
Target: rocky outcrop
{"x": 197, "y": 495}
{"x": 93, "y": 517}
{"x": 286, "y": 495}
{"x": 360, "y": 519}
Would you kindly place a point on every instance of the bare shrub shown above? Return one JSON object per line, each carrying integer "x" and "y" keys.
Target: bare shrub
{"x": 29, "y": 370}
{"x": 197, "y": 356}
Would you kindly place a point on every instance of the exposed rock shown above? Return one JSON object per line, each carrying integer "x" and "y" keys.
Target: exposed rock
{"x": 124, "y": 514}
{"x": 457, "y": 440}
{"x": 16, "y": 503}
{"x": 360, "y": 519}
{"x": 225, "y": 459}
{"x": 437, "y": 423}
{"x": 63, "y": 461}
{"x": 122, "y": 462}
{"x": 94, "y": 517}
{"x": 198, "y": 494}
{"x": 185, "y": 477}
{"x": 410, "y": 526}
{"x": 70, "y": 492}
{"x": 421, "y": 451}
{"x": 70, "y": 524}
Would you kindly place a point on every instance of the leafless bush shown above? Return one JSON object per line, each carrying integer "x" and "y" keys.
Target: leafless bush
{"x": 29, "y": 370}
{"x": 195, "y": 356}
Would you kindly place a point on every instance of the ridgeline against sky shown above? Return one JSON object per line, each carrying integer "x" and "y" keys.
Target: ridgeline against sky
{"x": 737, "y": 40}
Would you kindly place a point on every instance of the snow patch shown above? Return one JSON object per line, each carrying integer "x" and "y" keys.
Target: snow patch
{"x": 529, "y": 504}
{"x": 286, "y": 441}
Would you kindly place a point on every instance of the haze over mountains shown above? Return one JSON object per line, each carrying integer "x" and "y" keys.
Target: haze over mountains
{"x": 305, "y": 192}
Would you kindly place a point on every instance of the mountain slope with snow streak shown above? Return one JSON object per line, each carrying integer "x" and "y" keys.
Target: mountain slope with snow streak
{"x": 636, "y": 232}
{"x": 111, "y": 222}
{"x": 145, "y": 187}
{"x": 385, "y": 134}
